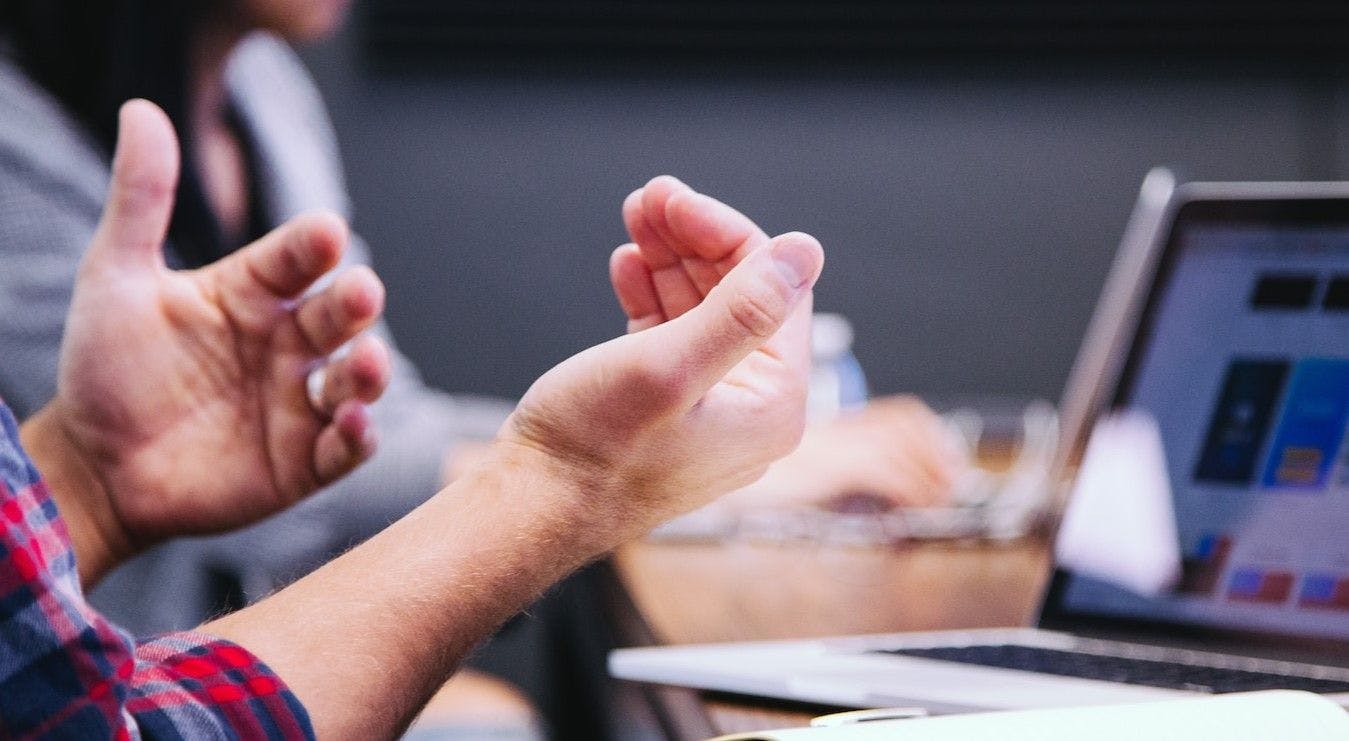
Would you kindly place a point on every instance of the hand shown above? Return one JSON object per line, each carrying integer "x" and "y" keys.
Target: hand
{"x": 894, "y": 452}
{"x": 183, "y": 394}
{"x": 710, "y": 386}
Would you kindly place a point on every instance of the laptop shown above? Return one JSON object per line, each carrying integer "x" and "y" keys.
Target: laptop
{"x": 1225, "y": 321}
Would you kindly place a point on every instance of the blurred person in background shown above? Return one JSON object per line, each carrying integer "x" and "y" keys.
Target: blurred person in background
{"x": 257, "y": 149}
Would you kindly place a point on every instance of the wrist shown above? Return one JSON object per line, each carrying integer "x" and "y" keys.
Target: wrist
{"x": 559, "y": 499}
{"x": 81, "y": 496}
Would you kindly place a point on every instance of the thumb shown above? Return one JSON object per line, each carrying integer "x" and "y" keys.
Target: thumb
{"x": 140, "y": 195}
{"x": 748, "y": 310}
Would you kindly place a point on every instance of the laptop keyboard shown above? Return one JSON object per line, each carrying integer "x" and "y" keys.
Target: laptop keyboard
{"x": 1128, "y": 670}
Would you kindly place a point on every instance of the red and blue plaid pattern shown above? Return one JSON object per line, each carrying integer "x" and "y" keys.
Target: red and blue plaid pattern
{"x": 66, "y": 672}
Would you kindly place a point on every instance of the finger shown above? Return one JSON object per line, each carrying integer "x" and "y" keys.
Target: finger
{"x": 702, "y": 274}
{"x": 679, "y": 287}
{"x": 288, "y": 260}
{"x": 341, "y": 311}
{"x": 931, "y": 447}
{"x": 711, "y": 236}
{"x": 901, "y": 483}
{"x": 675, "y": 289}
{"x": 345, "y": 443}
{"x": 653, "y": 248}
{"x": 765, "y": 294}
{"x": 711, "y": 230}
{"x": 638, "y": 210}
{"x": 361, "y": 374}
{"x": 656, "y": 196}
{"x": 634, "y": 288}
{"x": 912, "y": 431}
{"x": 140, "y": 195}
{"x": 903, "y": 473}
{"x": 637, "y": 325}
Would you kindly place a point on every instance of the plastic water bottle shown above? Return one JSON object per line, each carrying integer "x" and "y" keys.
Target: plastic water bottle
{"x": 837, "y": 383}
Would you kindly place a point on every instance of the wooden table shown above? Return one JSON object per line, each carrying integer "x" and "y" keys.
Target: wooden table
{"x": 708, "y": 592}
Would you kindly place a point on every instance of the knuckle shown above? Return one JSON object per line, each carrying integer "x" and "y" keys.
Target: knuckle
{"x": 318, "y": 321}
{"x": 329, "y": 322}
{"x": 139, "y": 190}
{"x": 340, "y": 304}
{"x": 756, "y": 312}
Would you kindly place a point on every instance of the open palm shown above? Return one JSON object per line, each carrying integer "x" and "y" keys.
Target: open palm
{"x": 187, "y": 390}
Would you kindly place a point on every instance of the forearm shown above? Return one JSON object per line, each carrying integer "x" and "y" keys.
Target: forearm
{"x": 365, "y": 640}
{"x": 80, "y": 496}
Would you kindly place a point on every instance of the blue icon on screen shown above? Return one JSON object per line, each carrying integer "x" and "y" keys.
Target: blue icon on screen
{"x": 1312, "y": 426}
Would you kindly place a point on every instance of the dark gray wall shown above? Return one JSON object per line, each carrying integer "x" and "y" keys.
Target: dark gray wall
{"x": 969, "y": 209}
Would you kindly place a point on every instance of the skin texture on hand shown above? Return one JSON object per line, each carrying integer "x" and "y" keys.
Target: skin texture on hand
{"x": 617, "y": 438}
{"x": 181, "y": 404}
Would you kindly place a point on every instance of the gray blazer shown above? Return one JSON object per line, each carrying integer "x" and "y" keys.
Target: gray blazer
{"x": 53, "y": 179}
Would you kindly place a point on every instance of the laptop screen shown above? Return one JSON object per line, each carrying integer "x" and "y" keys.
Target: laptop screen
{"x": 1242, "y": 359}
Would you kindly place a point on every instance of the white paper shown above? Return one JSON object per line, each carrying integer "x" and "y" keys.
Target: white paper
{"x": 1120, "y": 524}
{"x": 1253, "y": 716}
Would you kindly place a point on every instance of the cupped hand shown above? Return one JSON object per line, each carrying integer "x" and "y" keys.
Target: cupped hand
{"x": 184, "y": 392}
{"x": 707, "y": 390}
{"x": 895, "y": 450}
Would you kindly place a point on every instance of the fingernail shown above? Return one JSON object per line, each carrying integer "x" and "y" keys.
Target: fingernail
{"x": 794, "y": 259}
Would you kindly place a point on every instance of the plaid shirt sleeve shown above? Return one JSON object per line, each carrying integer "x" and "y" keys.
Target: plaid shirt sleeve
{"x": 66, "y": 672}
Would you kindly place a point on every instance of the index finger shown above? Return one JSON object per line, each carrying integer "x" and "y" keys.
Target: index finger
{"x": 290, "y": 258}
{"x": 711, "y": 230}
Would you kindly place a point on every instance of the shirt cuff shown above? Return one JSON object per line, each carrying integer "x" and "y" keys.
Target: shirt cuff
{"x": 178, "y": 675}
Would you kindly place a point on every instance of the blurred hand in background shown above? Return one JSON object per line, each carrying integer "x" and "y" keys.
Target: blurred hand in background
{"x": 894, "y": 452}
